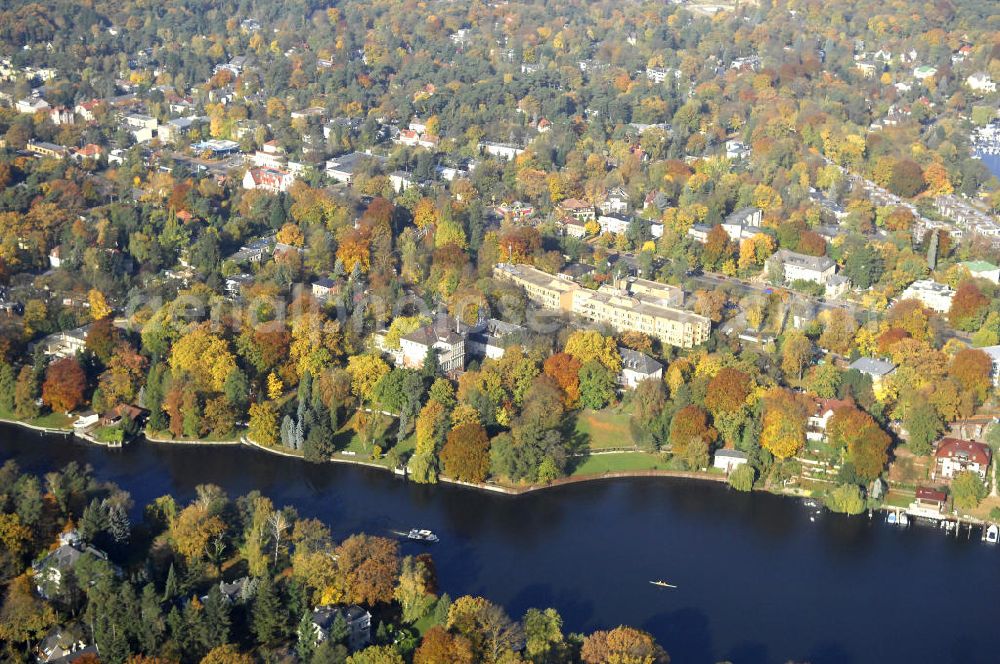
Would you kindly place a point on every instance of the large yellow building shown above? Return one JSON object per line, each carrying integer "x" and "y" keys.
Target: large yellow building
{"x": 642, "y": 305}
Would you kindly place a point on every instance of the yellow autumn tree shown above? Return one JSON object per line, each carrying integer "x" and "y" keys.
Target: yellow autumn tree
{"x": 784, "y": 424}
{"x": 98, "y": 305}
{"x": 586, "y": 345}
{"x": 291, "y": 234}
{"x": 275, "y": 387}
{"x": 204, "y": 358}
{"x": 425, "y": 213}
{"x": 365, "y": 371}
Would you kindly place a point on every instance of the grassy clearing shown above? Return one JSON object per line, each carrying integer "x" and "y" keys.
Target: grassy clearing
{"x": 605, "y": 429}
{"x": 347, "y": 439}
{"x": 618, "y": 463}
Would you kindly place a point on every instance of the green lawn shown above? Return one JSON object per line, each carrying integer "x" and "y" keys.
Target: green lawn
{"x": 605, "y": 429}
{"x": 108, "y": 434}
{"x": 346, "y": 439}
{"x": 616, "y": 463}
{"x": 50, "y": 420}
{"x": 60, "y": 420}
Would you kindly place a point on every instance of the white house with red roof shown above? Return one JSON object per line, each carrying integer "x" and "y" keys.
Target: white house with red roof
{"x": 953, "y": 456}
{"x": 268, "y": 179}
{"x": 820, "y": 416}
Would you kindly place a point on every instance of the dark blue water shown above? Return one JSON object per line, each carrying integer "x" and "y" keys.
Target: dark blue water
{"x": 757, "y": 580}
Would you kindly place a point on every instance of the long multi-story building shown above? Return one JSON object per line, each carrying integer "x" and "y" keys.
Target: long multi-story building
{"x": 636, "y": 304}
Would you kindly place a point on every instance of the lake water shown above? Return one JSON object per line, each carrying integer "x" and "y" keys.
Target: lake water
{"x": 758, "y": 581}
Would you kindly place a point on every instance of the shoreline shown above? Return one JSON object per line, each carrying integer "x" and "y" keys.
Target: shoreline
{"x": 490, "y": 487}
{"x": 34, "y": 427}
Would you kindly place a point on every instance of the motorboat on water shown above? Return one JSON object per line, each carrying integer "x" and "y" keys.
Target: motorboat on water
{"x": 422, "y": 535}
{"x": 663, "y": 584}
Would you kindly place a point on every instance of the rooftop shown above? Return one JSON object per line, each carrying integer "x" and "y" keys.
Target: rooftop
{"x": 948, "y": 448}
{"x": 872, "y": 366}
{"x": 638, "y": 362}
{"x": 818, "y": 263}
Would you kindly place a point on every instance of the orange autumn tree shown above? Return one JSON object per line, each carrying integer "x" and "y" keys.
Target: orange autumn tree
{"x": 64, "y": 386}
{"x": 565, "y": 370}
{"x": 689, "y": 426}
{"x": 354, "y": 250}
{"x": 466, "y": 453}
{"x": 968, "y": 307}
{"x": 728, "y": 391}
{"x": 973, "y": 369}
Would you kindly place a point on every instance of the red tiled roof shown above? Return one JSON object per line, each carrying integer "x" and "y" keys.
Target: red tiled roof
{"x": 976, "y": 452}
{"x": 924, "y": 493}
{"x": 824, "y": 405}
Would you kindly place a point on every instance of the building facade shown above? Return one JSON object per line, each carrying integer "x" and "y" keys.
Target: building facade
{"x": 637, "y": 304}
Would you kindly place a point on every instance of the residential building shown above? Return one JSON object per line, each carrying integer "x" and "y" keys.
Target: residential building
{"x": 747, "y": 216}
{"x": 612, "y": 224}
{"x": 637, "y": 367}
{"x": 516, "y": 210}
{"x": 867, "y": 69}
{"x": 502, "y": 150}
{"x": 929, "y": 293}
{"x": 60, "y": 115}
{"x": 728, "y": 460}
{"x": 699, "y": 232}
{"x": 140, "y": 121}
{"x": 615, "y": 201}
{"x": 820, "y": 417}
{"x": 442, "y": 336}
{"x": 836, "y": 287}
{"x": 55, "y": 256}
{"x": 254, "y": 252}
{"x": 321, "y": 288}
{"x": 176, "y": 129}
{"x": 953, "y": 456}
{"x": 929, "y": 503}
{"x": 271, "y": 155}
{"x": 983, "y": 270}
{"x": 661, "y": 74}
{"x": 574, "y": 228}
{"x": 637, "y": 304}
{"x": 577, "y": 209}
{"x": 343, "y": 168}
{"x": 88, "y": 151}
{"x": 50, "y": 150}
{"x": 357, "y": 619}
{"x": 981, "y": 82}
{"x": 53, "y": 568}
{"x": 65, "y": 344}
{"x": 31, "y": 105}
{"x": 86, "y": 109}
{"x": 490, "y": 338}
{"x": 414, "y": 138}
{"x": 737, "y": 149}
{"x": 401, "y": 181}
{"x": 796, "y": 266}
{"x": 747, "y": 62}
{"x": 542, "y": 288}
{"x": 994, "y": 353}
{"x": 236, "y": 282}
{"x": 923, "y": 72}
{"x": 877, "y": 370}
{"x": 65, "y": 644}
{"x": 268, "y": 179}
